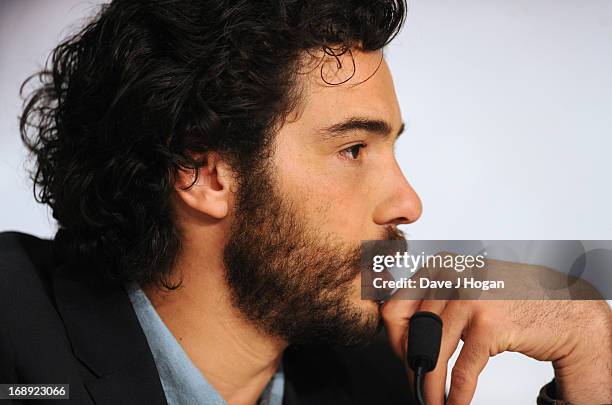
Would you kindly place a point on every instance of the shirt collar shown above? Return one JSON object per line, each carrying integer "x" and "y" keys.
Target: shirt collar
{"x": 182, "y": 381}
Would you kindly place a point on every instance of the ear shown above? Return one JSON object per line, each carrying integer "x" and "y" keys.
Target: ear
{"x": 207, "y": 189}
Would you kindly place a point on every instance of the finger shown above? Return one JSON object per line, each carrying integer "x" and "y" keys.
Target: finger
{"x": 472, "y": 359}
{"x": 454, "y": 321}
{"x": 396, "y": 315}
{"x": 435, "y": 306}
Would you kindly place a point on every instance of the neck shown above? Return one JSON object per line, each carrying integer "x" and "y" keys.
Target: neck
{"x": 236, "y": 358}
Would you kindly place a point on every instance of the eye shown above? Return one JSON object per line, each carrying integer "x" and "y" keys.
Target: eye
{"x": 352, "y": 152}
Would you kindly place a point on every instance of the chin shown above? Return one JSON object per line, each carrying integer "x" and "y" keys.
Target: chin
{"x": 368, "y": 306}
{"x": 371, "y": 321}
{"x": 368, "y": 309}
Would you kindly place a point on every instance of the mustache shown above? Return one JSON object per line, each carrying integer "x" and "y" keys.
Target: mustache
{"x": 392, "y": 240}
{"x": 393, "y": 233}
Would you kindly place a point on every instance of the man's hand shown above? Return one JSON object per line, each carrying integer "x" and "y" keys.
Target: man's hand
{"x": 575, "y": 335}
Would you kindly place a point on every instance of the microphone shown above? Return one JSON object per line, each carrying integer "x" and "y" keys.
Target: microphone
{"x": 424, "y": 338}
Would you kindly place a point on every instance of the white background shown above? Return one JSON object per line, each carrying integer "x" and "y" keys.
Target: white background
{"x": 508, "y": 105}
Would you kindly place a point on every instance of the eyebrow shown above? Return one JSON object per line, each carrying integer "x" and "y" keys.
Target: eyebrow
{"x": 351, "y": 124}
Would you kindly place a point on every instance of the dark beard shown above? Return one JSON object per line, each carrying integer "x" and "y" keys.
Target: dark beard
{"x": 289, "y": 280}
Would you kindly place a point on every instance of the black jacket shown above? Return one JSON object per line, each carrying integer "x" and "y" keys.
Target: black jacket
{"x": 65, "y": 329}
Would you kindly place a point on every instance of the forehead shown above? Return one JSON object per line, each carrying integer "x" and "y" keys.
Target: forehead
{"x": 353, "y": 84}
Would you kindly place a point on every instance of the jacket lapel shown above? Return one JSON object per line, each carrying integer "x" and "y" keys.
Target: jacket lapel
{"x": 107, "y": 338}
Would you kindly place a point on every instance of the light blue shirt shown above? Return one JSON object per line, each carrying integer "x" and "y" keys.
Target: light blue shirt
{"x": 182, "y": 381}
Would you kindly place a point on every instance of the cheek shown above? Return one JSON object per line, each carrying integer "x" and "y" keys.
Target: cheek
{"x": 333, "y": 197}
{"x": 338, "y": 206}
{"x": 349, "y": 209}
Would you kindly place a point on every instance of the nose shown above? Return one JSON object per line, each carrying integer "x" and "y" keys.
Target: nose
{"x": 399, "y": 203}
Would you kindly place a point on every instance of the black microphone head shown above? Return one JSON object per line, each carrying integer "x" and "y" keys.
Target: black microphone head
{"x": 424, "y": 338}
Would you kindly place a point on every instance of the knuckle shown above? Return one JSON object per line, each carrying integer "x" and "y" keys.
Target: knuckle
{"x": 487, "y": 321}
{"x": 460, "y": 377}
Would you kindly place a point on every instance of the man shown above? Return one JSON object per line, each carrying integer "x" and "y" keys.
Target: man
{"x": 213, "y": 167}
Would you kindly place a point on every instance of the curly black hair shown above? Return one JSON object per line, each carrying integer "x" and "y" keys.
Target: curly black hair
{"x": 145, "y": 86}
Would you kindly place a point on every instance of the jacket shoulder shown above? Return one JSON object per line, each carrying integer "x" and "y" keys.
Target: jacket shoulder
{"x": 26, "y": 263}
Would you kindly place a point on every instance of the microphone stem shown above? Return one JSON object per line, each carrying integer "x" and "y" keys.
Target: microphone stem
{"x": 419, "y": 379}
